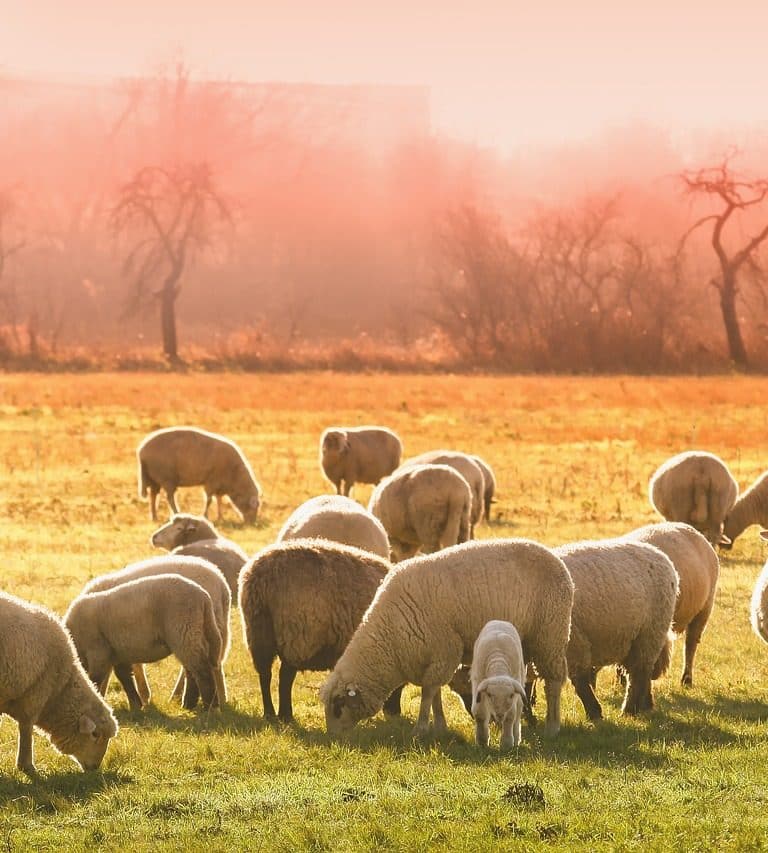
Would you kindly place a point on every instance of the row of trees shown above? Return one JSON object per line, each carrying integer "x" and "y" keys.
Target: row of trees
{"x": 259, "y": 216}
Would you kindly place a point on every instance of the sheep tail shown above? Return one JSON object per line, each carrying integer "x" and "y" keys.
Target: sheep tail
{"x": 665, "y": 657}
{"x": 144, "y": 479}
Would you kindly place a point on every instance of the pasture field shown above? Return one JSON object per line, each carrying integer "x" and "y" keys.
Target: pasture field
{"x": 572, "y": 458}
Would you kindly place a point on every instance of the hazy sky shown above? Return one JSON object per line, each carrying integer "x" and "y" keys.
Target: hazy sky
{"x": 502, "y": 73}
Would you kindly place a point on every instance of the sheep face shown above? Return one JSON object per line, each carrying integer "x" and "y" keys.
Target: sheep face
{"x": 497, "y": 698}
{"x": 248, "y": 505}
{"x": 335, "y": 445}
{"x": 344, "y": 706}
{"x": 182, "y": 530}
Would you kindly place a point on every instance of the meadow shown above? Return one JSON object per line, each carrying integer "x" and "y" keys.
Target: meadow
{"x": 572, "y": 458}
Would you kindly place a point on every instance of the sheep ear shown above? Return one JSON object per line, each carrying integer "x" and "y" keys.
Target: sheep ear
{"x": 479, "y": 697}
{"x": 764, "y": 534}
{"x": 86, "y": 725}
{"x": 724, "y": 540}
{"x": 253, "y": 503}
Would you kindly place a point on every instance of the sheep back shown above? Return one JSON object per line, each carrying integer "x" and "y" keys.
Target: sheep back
{"x": 338, "y": 519}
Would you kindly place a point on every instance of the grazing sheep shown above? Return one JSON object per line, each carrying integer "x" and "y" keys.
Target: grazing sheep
{"x": 427, "y": 614}
{"x": 338, "y": 519}
{"x": 301, "y": 601}
{"x": 144, "y": 621}
{"x": 750, "y": 508}
{"x": 469, "y": 470}
{"x": 43, "y": 685}
{"x": 195, "y": 536}
{"x": 489, "y": 481}
{"x": 759, "y": 605}
{"x": 186, "y": 456}
{"x": 698, "y": 568}
{"x": 498, "y": 682}
{"x": 350, "y": 455}
{"x": 696, "y": 488}
{"x": 424, "y": 506}
{"x": 623, "y": 604}
{"x": 194, "y": 569}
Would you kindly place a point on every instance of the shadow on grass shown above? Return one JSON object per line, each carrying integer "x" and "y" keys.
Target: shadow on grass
{"x": 228, "y": 719}
{"x": 47, "y": 791}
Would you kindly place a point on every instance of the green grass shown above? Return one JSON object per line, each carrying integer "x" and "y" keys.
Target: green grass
{"x": 572, "y": 458}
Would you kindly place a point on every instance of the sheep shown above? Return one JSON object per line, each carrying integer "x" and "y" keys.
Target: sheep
{"x": 469, "y": 470}
{"x": 489, "y": 481}
{"x": 427, "y": 614}
{"x": 696, "y": 488}
{"x": 301, "y": 601}
{"x": 425, "y": 506}
{"x": 144, "y": 621}
{"x": 498, "y": 682}
{"x": 43, "y": 685}
{"x": 758, "y": 610}
{"x": 187, "y": 456}
{"x": 698, "y": 569}
{"x": 338, "y": 519}
{"x": 750, "y": 508}
{"x": 195, "y": 569}
{"x": 194, "y": 536}
{"x": 623, "y": 604}
{"x": 350, "y": 455}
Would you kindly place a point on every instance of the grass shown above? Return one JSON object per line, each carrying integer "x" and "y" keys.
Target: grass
{"x": 572, "y": 457}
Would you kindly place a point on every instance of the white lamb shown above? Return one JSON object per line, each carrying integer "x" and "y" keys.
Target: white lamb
{"x": 498, "y": 682}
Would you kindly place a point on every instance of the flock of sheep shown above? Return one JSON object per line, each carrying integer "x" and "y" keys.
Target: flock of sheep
{"x": 488, "y": 617}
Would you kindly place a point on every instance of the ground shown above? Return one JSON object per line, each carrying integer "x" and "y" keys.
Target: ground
{"x": 572, "y": 458}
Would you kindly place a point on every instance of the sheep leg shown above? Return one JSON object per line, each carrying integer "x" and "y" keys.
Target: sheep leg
{"x": 25, "y": 757}
{"x": 428, "y": 693}
{"x": 692, "y": 638}
{"x": 142, "y": 685}
{"x": 104, "y": 684}
{"x": 265, "y": 682}
{"x": 392, "y": 705}
{"x": 191, "y": 691}
{"x": 178, "y": 688}
{"x": 510, "y": 733}
{"x": 221, "y": 686}
{"x": 207, "y": 506}
{"x": 285, "y": 685}
{"x": 441, "y": 726}
{"x": 346, "y": 488}
{"x": 482, "y": 731}
{"x": 639, "y": 697}
{"x": 585, "y": 692}
{"x": 170, "y": 493}
{"x": 553, "y": 687}
{"x": 124, "y": 673}
{"x": 153, "y": 493}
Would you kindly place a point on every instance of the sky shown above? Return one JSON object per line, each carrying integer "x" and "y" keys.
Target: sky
{"x": 501, "y": 73}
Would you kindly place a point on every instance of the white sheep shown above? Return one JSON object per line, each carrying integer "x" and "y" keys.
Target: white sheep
{"x": 301, "y": 601}
{"x": 696, "y": 488}
{"x": 187, "y": 456}
{"x": 423, "y": 506}
{"x": 195, "y": 569}
{"x": 427, "y": 614}
{"x": 350, "y": 455}
{"x": 758, "y": 610}
{"x": 194, "y": 536}
{"x": 43, "y": 685}
{"x": 751, "y": 507}
{"x": 497, "y": 675}
{"x": 338, "y": 519}
{"x": 469, "y": 469}
{"x": 144, "y": 621}
{"x": 623, "y": 604}
{"x": 698, "y": 569}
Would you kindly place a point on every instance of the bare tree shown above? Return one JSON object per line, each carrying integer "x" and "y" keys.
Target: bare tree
{"x": 167, "y": 214}
{"x": 9, "y": 246}
{"x": 735, "y": 195}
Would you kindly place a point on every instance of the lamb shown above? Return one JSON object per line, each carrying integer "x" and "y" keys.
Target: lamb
{"x": 338, "y": 519}
{"x": 696, "y": 488}
{"x": 489, "y": 481}
{"x": 750, "y": 508}
{"x": 469, "y": 470}
{"x": 427, "y": 614}
{"x": 698, "y": 569}
{"x": 144, "y": 621}
{"x": 759, "y": 606}
{"x": 623, "y": 604}
{"x": 350, "y": 455}
{"x": 43, "y": 685}
{"x": 498, "y": 682}
{"x": 425, "y": 506}
{"x": 186, "y": 456}
{"x": 194, "y": 569}
{"x": 195, "y": 536}
{"x": 301, "y": 601}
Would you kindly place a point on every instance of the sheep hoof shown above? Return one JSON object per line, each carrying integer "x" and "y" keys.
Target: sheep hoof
{"x": 507, "y": 744}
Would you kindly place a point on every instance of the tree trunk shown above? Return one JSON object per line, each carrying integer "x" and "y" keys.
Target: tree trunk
{"x": 168, "y": 320}
{"x": 736, "y": 349}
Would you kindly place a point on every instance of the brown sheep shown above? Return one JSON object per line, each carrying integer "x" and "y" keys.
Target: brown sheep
{"x": 350, "y": 455}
